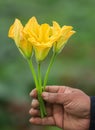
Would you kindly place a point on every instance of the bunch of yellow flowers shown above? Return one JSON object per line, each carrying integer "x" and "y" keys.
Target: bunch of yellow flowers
{"x": 38, "y": 39}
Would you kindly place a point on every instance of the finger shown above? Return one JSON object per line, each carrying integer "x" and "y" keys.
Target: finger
{"x": 33, "y": 93}
{"x": 35, "y": 103}
{"x": 60, "y": 98}
{"x": 55, "y": 89}
{"x": 34, "y": 112}
{"x": 42, "y": 121}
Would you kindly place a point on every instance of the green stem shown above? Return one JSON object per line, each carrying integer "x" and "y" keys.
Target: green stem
{"x": 42, "y": 106}
{"x": 37, "y": 87}
{"x": 48, "y": 70}
{"x": 33, "y": 72}
{"x": 40, "y": 89}
{"x": 39, "y": 76}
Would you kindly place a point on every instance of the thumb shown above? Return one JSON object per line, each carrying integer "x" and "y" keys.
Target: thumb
{"x": 59, "y": 98}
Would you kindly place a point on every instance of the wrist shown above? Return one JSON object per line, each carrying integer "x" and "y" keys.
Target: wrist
{"x": 92, "y": 113}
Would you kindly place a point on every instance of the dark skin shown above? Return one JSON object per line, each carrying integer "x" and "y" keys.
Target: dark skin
{"x": 67, "y": 108}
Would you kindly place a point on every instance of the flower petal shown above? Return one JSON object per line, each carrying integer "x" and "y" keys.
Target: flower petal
{"x": 15, "y": 32}
{"x": 44, "y": 33}
{"x": 32, "y": 28}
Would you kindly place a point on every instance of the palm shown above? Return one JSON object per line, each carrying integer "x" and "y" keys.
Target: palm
{"x": 68, "y": 120}
{"x": 56, "y": 113}
{"x": 70, "y": 115}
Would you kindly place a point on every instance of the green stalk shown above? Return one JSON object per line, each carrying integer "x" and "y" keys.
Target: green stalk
{"x": 39, "y": 77}
{"x": 40, "y": 89}
{"x": 48, "y": 70}
{"x": 37, "y": 86}
{"x": 33, "y": 72}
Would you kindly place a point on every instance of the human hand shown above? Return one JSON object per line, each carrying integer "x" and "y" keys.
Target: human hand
{"x": 67, "y": 108}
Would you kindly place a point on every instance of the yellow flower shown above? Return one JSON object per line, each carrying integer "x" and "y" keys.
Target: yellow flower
{"x": 40, "y": 37}
{"x": 21, "y": 40}
{"x": 63, "y": 34}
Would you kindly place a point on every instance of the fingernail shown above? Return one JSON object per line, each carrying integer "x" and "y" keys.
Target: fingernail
{"x": 31, "y": 93}
{"x": 31, "y": 119}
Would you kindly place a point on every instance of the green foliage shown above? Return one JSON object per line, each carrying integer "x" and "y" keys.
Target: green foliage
{"x": 75, "y": 66}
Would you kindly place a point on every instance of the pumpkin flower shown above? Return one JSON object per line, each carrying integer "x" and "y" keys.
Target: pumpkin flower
{"x": 21, "y": 40}
{"x": 40, "y": 37}
{"x": 63, "y": 34}
{"x": 42, "y": 43}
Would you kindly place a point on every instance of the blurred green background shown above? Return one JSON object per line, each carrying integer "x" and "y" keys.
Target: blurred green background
{"x": 74, "y": 67}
